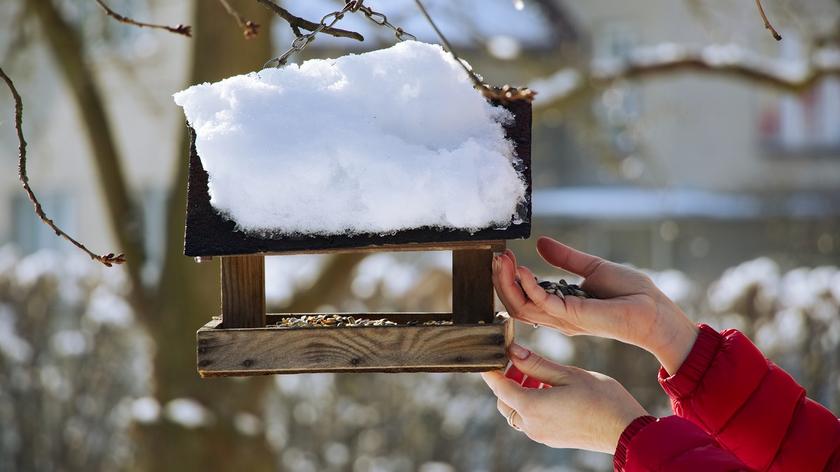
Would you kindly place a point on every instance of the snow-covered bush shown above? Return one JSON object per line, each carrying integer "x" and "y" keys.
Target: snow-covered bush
{"x": 793, "y": 316}
{"x": 71, "y": 362}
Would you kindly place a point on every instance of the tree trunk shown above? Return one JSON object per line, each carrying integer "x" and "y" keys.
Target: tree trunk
{"x": 189, "y": 293}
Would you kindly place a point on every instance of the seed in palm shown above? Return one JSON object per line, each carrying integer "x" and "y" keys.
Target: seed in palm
{"x": 562, "y": 289}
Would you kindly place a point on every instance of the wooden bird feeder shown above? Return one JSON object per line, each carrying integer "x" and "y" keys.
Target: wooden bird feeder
{"x": 245, "y": 341}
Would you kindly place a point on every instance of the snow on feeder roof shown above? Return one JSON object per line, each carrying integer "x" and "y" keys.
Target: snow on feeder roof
{"x": 379, "y": 142}
{"x": 392, "y": 150}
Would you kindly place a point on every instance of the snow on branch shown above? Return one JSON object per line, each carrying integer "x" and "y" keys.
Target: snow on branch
{"x": 727, "y": 60}
{"x": 107, "y": 259}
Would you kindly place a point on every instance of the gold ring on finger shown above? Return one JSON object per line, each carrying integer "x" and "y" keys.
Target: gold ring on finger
{"x": 510, "y": 420}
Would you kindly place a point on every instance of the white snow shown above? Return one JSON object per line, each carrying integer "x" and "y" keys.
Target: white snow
{"x": 145, "y": 410}
{"x": 187, "y": 413}
{"x": 370, "y": 143}
{"x": 285, "y": 276}
{"x": 557, "y": 86}
{"x": 69, "y": 342}
{"x": 247, "y": 424}
{"x": 108, "y": 308}
{"x": 13, "y": 347}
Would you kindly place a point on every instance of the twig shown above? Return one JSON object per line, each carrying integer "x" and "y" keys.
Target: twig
{"x": 178, "y": 29}
{"x": 298, "y": 22}
{"x": 107, "y": 259}
{"x": 728, "y": 61}
{"x": 499, "y": 94}
{"x": 767, "y": 24}
{"x": 249, "y": 28}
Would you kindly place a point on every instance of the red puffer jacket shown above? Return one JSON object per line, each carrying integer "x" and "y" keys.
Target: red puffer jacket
{"x": 735, "y": 410}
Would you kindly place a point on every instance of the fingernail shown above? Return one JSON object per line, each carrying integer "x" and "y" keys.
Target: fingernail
{"x": 496, "y": 262}
{"x": 519, "y": 352}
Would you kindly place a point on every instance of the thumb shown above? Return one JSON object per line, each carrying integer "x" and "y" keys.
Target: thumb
{"x": 538, "y": 367}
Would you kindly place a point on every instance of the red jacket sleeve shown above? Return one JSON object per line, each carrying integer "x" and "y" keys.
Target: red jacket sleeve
{"x": 751, "y": 407}
{"x": 671, "y": 444}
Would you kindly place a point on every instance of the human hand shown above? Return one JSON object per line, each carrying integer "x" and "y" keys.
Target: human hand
{"x": 582, "y": 410}
{"x": 628, "y": 306}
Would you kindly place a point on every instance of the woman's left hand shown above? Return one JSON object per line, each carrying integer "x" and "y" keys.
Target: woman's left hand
{"x": 582, "y": 410}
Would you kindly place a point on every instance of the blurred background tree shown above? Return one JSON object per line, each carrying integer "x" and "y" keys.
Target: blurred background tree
{"x": 667, "y": 135}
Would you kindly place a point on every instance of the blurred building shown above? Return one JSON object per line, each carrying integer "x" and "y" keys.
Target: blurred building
{"x": 691, "y": 170}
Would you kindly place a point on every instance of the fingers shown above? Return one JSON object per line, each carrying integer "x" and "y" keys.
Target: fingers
{"x": 504, "y": 279}
{"x": 542, "y": 299}
{"x": 506, "y": 389}
{"x": 512, "y": 416}
{"x": 503, "y": 408}
{"x": 536, "y": 366}
{"x": 572, "y": 260}
{"x": 512, "y": 256}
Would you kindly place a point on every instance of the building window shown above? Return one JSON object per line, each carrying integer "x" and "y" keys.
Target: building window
{"x": 153, "y": 210}
{"x": 807, "y": 123}
{"x": 30, "y": 234}
{"x": 619, "y": 107}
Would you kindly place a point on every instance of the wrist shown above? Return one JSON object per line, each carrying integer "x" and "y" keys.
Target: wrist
{"x": 675, "y": 343}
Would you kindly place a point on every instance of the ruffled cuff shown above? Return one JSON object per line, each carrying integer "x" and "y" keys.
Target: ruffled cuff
{"x": 620, "y": 457}
{"x": 688, "y": 376}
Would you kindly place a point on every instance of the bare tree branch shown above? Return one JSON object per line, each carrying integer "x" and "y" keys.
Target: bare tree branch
{"x": 298, "y": 22}
{"x": 107, "y": 259}
{"x": 249, "y": 28}
{"x": 720, "y": 60}
{"x": 67, "y": 50}
{"x": 767, "y": 24}
{"x": 178, "y": 29}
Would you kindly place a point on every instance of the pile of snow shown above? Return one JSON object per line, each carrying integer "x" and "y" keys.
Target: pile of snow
{"x": 371, "y": 143}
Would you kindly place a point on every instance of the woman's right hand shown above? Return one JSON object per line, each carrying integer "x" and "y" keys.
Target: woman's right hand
{"x": 628, "y": 307}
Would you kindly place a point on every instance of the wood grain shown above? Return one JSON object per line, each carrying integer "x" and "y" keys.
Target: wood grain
{"x": 243, "y": 291}
{"x": 472, "y": 286}
{"x": 495, "y": 246}
{"x": 210, "y": 234}
{"x": 260, "y": 351}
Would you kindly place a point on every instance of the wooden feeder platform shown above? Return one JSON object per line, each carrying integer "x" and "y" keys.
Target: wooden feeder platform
{"x": 246, "y": 341}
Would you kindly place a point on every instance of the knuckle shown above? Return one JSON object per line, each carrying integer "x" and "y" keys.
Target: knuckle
{"x": 593, "y": 266}
{"x": 537, "y": 362}
{"x": 540, "y": 299}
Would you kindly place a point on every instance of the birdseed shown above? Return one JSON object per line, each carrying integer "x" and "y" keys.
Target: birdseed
{"x": 563, "y": 289}
{"x": 331, "y": 320}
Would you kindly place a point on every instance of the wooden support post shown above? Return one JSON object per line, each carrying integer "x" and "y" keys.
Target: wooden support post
{"x": 472, "y": 286}
{"x": 243, "y": 291}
